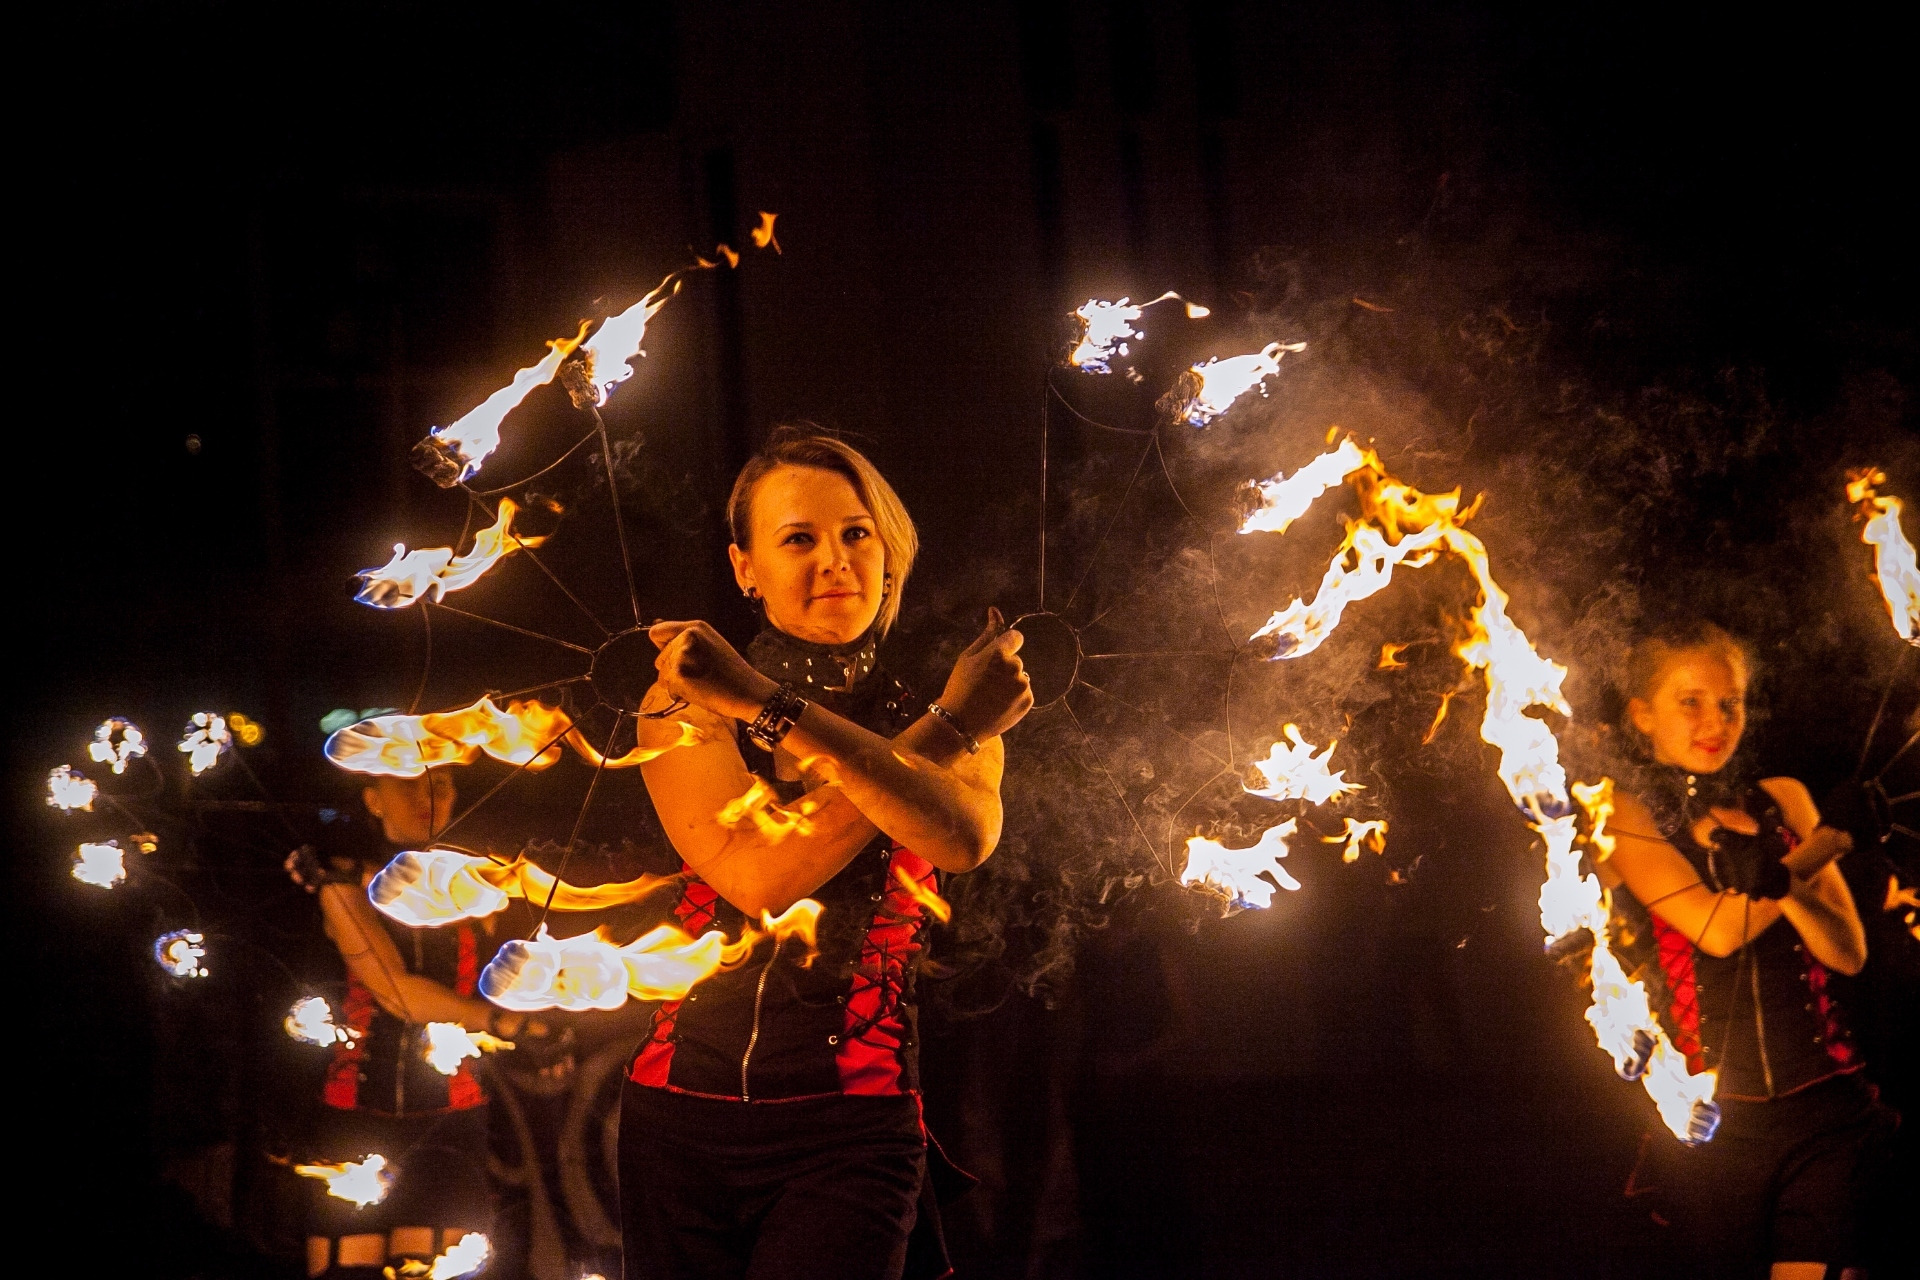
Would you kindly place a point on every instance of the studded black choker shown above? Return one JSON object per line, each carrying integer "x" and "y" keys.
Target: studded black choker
{"x": 814, "y": 669}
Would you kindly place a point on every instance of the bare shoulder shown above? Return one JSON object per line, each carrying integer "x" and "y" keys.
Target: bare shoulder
{"x": 1795, "y": 801}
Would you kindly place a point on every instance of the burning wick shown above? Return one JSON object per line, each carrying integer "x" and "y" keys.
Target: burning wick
{"x": 431, "y": 573}
{"x": 1107, "y": 327}
{"x": 425, "y": 888}
{"x": 67, "y": 790}
{"x": 100, "y": 864}
{"x": 180, "y": 953}
{"x": 310, "y": 1021}
{"x": 448, "y": 1044}
{"x": 1208, "y": 390}
{"x": 452, "y": 455}
{"x": 116, "y": 742}
{"x": 607, "y": 356}
{"x": 364, "y": 1182}
{"x": 1235, "y": 873}
{"x": 468, "y": 1255}
{"x": 1894, "y": 565}
{"x": 206, "y": 740}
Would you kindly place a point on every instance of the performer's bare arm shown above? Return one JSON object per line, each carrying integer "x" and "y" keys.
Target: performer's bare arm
{"x": 1819, "y": 905}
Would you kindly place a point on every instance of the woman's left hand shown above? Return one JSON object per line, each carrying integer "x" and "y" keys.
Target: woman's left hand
{"x": 697, "y": 664}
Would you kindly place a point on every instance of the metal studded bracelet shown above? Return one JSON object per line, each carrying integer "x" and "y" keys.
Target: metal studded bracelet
{"x": 972, "y": 743}
{"x": 777, "y": 718}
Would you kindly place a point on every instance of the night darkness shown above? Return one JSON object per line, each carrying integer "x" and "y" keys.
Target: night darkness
{"x": 1644, "y": 280}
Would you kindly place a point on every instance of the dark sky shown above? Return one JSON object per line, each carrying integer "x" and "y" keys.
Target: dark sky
{"x": 1644, "y": 278}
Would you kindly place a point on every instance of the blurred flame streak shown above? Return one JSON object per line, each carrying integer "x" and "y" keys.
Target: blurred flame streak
{"x": 364, "y": 1182}
{"x": 1390, "y": 656}
{"x": 1235, "y": 873}
{"x": 1597, "y": 799}
{"x": 1296, "y": 773}
{"x": 722, "y": 253}
{"x": 425, "y": 888}
{"x": 1364, "y": 305}
{"x": 103, "y": 865}
{"x": 936, "y": 906}
{"x": 1284, "y": 498}
{"x": 310, "y": 1021}
{"x": 466, "y": 1256}
{"x": 617, "y": 341}
{"x": 1107, "y": 327}
{"x": 67, "y": 790}
{"x": 433, "y": 572}
{"x": 761, "y": 807}
{"x": 116, "y": 742}
{"x": 525, "y": 733}
{"x": 1208, "y": 390}
{"x": 473, "y": 438}
{"x": 1894, "y": 565}
{"x": 1439, "y": 717}
{"x": 592, "y": 972}
{"x": 763, "y": 237}
{"x": 180, "y": 953}
{"x": 1371, "y": 834}
{"x": 206, "y": 740}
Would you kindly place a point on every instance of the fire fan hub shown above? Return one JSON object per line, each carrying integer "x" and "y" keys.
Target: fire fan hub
{"x": 1050, "y": 652}
{"x": 623, "y": 669}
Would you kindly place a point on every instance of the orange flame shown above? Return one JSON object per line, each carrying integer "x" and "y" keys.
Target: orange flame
{"x": 103, "y": 865}
{"x": 1894, "y": 565}
{"x": 763, "y": 237}
{"x": 67, "y": 790}
{"x": 617, "y": 341}
{"x": 1439, "y": 718}
{"x": 1235, "y": 873}
{"x": 525, "y": 733}
{"x": 1390, "y": 659}
{"x": 425, "y": 888}
{"x": 935, "y": 905}
{"x": 433, "y": 572}
{"x": 1208, "y": 390}
{"x": 364, "y": 1182}
{"x": 468, "y": 443}
{"x": 761, "y": 807}
{"x": 1296, "y": 773}
{"x": 1107, "y": 327}
{"x": 1370, "y": 835}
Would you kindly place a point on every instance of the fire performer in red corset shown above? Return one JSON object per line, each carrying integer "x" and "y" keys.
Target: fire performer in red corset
{"x": 381, "y": 1095}
{"x": 771, "y": 1122}
{"x": 1748, "y": 918}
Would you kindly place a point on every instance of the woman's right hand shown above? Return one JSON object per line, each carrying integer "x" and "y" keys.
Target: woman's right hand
{"x": 988, "y": 692}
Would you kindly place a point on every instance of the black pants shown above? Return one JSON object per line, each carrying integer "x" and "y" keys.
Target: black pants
{"x": 817, "y": 1189}
{"x": 1783, "y": 1181}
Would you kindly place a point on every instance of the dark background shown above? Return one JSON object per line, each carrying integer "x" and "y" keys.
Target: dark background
{"x": 1644, "y": 279}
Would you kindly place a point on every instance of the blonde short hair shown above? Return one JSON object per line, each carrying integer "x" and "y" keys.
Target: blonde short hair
{"x": 1650, "y": 655}
{"x": 803, "y": 444}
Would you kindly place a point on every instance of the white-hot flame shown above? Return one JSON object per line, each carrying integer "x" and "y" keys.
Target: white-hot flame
{"x": 1296, "y": 773}
{"x": 1107, "y": 327}
{"x": 466, "y": 1256}
{"x": 363, "y": 1182}
{"x": 1894, "y": 564}
{"x": 431, "y": 573}
{"x": 207, "y": 739}
{"x": 617, "y": 341}
{"x": 1235, "y": 873}
{"x": 180, "y": 953}
{"x": 1208, "y": 390}
{"x": 425, "y": 888}
{"x": 100, "y": 864}
{"x": 469, "y": 442}
{"x": 116, "y": 742}
{"x": 1358, "y": 834}
{"x": 67, "y": 790}
{"x": 447, "y": 1045}
{"x": 1284, "y": 498}
{"x": 310, "y": 1021}
{"x": 525, "y": 733}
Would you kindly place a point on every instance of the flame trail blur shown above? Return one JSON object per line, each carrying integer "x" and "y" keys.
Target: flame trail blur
{"x": 1357, "y": 835}
{"x": 1399, "y": 524}
{"x": 1235, "y": 873}
{"x": 117, "y": 742}
{"x": 100, "y": 864}
{"x": 526, "y": 733}
{"x": 1107, "y": 327}
{"x": 424, "y": 888}
{"x": 310, "y": 1021}
{"x": 1208, "y": 390}
{"x": 432, "y": 572}
{"x": 67, "y": 790}
{"x": 763, "y": 237}
{"x": 363, "y": 1182}
{"x": 1894, "y": 566}
{"x": 454, "y": 454}
{"x": 206, "y": 740}
{"x": 180, "y": 953}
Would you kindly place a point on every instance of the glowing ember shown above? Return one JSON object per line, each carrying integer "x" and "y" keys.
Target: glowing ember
{"x": 525, "y": 733}
{"x": 1107, "y": 327}
{"x": 180, "y": 953}
{"x": 761, "y": 807}
{"x": 1235, "y": 873}
{"x": 1894, "y": 565}
{"x": 364, "y": 1182}
{"x": 1208, "y": 390}
{"x": 424, "y": 888}
{"x": 617, "y": 341}
{"x": 763, "y": 237}
{"x": 452, "y": 455}
{"x": 432, "y": 573}
{"x": 100, "y": 864}
{"x": 116, "y": 742}
{"x": 67, "y": 790}
{"x": 1390, "y": 659}
{"x": 145, "y": 841}
{"x": 310, "y": 1021}
{"x": 468, "y": 1255}
{"x": 1296, "y": 773}
{"x": 1370, "y": 834}
{"x": 1285, "y": 499}
{"x": 934, "y": 905}
{"x": 244, "y": 730}
{"x": 1897, "y": 898}
{"x": 207, "y": 739}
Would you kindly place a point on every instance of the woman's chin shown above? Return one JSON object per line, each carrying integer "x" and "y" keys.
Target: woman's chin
{"x": 824, "y": 623}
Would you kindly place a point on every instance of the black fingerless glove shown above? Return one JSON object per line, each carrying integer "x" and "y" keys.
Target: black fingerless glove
{"x": 1751, "y": 864}
{"x": 310, "y": 869}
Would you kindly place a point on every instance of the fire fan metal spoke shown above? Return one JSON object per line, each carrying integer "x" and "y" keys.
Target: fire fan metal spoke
{"x": 1119, "y": 793}
{"x": 508, "y": 626}
{"x": 619, "y": 520}
{"x": 495, "y": 789}
{"x": 540, "y": 564}
{"x": 580, "y": 821}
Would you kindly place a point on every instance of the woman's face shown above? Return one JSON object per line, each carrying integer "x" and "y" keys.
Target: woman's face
{"x": 411, "y": 810}
{"x": 1696, "y": 713}
{"x": 816, "y": 559}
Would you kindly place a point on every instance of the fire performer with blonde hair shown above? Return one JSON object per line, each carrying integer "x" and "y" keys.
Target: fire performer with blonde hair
{"x": 771, "y": 1121}
{"x": 382, "y": 1096}
{"x": 1745, "y": 917}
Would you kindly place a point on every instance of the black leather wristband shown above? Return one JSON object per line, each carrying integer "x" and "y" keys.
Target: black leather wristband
{"x": 777, "y": 718}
